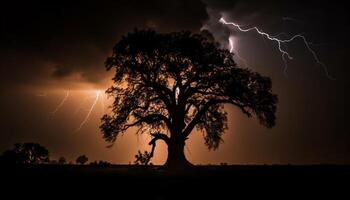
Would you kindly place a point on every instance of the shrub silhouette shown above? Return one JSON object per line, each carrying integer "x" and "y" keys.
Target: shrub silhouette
{"x": 142, "y": 158}
{"x": 62, "y": 160}
{"x": 82, "y": 159}
{"x": 26, "y": 153}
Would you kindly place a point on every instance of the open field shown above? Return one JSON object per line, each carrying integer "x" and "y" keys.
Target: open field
{"x": 202, "y": 181}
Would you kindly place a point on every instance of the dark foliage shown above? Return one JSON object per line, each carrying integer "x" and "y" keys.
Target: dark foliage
{"x": 143, "y": 158}
{"x": 26, "y": 153}
{"x": 100, "y": 164}
{"x": 62, "y": 160}
{"x": 169, "y": 84}
{"x": 82, "y": 159}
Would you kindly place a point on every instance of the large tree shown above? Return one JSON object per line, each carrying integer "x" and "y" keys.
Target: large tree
{"x": 167, "y": 84}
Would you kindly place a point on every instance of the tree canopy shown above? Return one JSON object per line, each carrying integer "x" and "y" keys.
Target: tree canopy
{"x": 167, "y": 84}
{"x": 82, "y": 159}
{"x": 26, "y": 153}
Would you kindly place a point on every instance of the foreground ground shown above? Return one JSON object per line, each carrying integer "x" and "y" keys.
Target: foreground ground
{"x": 215, "y": 182}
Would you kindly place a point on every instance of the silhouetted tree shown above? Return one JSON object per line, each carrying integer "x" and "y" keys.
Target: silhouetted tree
{"x": 143, "y": 158}
{"x": 100, "y": 163}
{"x": 82, "y": 159}
{"x": 26, "y": 153}
{"x": 62, "y": 160}
{"x": 169, "y": 84}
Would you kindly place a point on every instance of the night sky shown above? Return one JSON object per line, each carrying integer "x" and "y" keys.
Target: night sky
{"x": 49, "y": 49}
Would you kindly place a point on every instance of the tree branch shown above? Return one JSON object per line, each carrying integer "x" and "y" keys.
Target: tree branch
{"x": 200, "y": 113}
{"x": 149, "y": 119}
{"x": 148, "y": 102}
{"x": 159, "y": 136}
{"x": 156, "y": 136}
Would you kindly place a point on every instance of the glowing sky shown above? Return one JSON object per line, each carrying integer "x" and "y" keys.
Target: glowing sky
{"x": 52, "y": 70}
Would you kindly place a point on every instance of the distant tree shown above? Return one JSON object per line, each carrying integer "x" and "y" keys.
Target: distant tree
{"x": 82, "y": 159}
{"x": 100, "y": 164}
{"x": 62, "y": 160}
{"x": 104, "y": 163}
{"x": 94, "y": 163}
{"x": 26, "y": 153}
{"x": 168, "y": 84}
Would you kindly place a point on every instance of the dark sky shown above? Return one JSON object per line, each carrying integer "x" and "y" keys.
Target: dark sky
{"x": 49, "y": 47}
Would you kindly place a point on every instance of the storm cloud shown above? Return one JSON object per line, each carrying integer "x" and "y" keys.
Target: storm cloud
{"x": 44, "y": 40}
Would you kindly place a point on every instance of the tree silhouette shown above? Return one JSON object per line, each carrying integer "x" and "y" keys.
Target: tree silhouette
{"x": 100, "y": 163}
{"x": 26, "y": 153}
{"x": 82, "y": 159}
{"x": 142, "y": 158}
{"x": 168, "y": 84}
{"x": 62, "y": 160}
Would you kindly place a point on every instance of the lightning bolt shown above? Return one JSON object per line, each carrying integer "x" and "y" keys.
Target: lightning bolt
{"x": 284, "y": 54}
{"x": 281, "y": 34}
{"x": 103, "y": 103}
{"x": 61, "y": 103}
{"x": 232, "y": 50}
{"x": 81, "y": 105}
{"x": 90, "y": 110}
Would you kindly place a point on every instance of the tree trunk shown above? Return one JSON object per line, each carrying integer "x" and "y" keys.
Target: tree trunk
{"x": 176, "y": 156}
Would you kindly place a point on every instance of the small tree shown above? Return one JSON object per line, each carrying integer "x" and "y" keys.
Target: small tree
{"x": 100, "y": 163}
{"x": 62, "y": 160}
{"x": 26, "y": 153}
{"x": 82, "y": 159}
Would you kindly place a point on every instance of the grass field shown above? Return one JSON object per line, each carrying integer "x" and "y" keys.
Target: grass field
{"x": 215, "y": 182}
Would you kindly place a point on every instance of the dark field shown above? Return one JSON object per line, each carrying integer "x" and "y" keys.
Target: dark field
{"x": 215, "y": 182}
